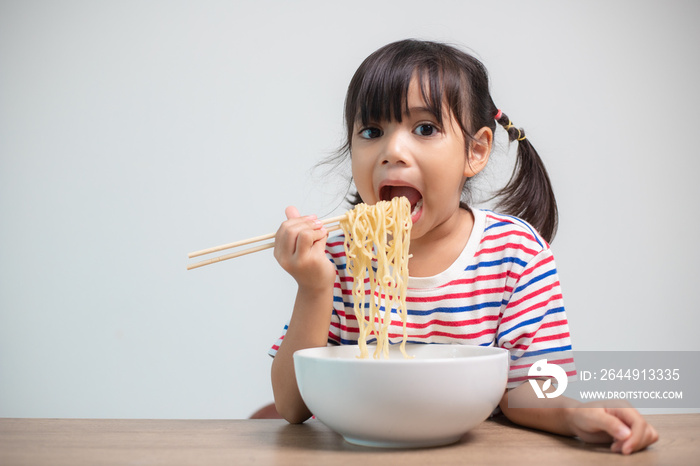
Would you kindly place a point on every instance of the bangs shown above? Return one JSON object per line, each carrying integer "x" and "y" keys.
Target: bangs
{"x": 383, "y": 93}
{"x": 379, "y": 89}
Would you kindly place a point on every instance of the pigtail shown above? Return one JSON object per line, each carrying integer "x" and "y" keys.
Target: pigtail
{"x": 528, "y": 194}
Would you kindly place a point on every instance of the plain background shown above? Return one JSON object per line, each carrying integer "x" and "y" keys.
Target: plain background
{"x": 134, "y": 132}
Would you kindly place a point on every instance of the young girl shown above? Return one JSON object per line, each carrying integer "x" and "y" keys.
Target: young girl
{"x": 420, "y": 124}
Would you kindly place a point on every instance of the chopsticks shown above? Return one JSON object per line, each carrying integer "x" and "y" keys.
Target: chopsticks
{"x": 245, "y": 242}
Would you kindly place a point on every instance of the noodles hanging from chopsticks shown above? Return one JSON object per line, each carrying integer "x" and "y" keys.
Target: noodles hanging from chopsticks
{"x": 379, "y": 233}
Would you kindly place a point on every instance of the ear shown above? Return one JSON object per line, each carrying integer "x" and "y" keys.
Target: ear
{"x": 479, "y": 151}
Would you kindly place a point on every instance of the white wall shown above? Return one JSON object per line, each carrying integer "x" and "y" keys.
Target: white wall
{"x": 132, "y": 133}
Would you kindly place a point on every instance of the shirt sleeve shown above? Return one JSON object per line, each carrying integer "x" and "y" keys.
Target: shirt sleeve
{"x": 534, "y": 324}
{"x": 273, "y": 349}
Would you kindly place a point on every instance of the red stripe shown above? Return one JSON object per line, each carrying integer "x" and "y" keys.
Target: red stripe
{"x": 551, "y": 324}
{"x": 558, "y": 336}
{"x": 515, "y": 226}
{"x": 524, "y": 234}
{"x": 430, "y": 299}
{"x": 541, "y": 263}
{"x": 559, "y": 362}
{"x": 458, "y": 323}
{"x": 525, "y": 347}
{"x": 416, "y": 325}
{"x": 507, "y": 246}
{"x": 534, "y": 294}
{"x": 499, "y": 219}
{"x": 347, "y": 329}
{"x": 351, "y": 292}
{"x": 481, "y": 278}
{"x": 459, "y": 282}
{"x": 529, "y": 309}
{"x": 344, "y": 315}
{"x": 488, "y": 331}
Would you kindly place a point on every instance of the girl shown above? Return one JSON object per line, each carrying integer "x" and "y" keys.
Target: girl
{"x": 420, "y": 124}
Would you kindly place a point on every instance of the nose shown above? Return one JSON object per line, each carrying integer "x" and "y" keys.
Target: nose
{"x": 395, "y": 150}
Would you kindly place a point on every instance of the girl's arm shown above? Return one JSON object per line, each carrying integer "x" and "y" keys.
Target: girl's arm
{"x": 300, "y": 249}
{"x": 595, "y": 422}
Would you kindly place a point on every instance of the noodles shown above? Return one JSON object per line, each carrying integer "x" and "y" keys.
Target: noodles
{"x": 378, "y": 233}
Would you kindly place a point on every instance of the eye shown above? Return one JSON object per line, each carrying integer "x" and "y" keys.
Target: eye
{"x": 426, "y": 129}
{"x": 370, "y": 133}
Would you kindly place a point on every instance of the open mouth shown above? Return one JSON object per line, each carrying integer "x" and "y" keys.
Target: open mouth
{"x": 388, "y": 192}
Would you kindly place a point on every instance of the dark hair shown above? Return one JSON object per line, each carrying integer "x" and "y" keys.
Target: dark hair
{"x": 378, "y": 91}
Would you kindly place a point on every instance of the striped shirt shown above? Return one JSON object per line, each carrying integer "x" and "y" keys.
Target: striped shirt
{"x": 503, "y": 290}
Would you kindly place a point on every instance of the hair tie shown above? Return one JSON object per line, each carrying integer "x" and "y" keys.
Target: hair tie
{"x": 498, "y": 115}
{"x": 521, "y": 136}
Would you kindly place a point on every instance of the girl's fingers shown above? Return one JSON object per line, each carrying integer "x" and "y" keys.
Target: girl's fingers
{"x": 291, "y": 212}
{"x": 304, "y": 232}
{"x": 628, "y": 429}
{"x": 296, "y": 236}
{"x": 642, "y": 434}
{"x": 308, "y": 236}
{"x": 593, "y": 424}
{"x": 613, "y": 427}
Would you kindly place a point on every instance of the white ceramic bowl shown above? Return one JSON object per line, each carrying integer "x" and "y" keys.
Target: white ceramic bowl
{"x": 430, "y": 400}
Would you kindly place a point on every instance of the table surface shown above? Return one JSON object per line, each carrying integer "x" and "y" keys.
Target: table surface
{"x": 212, "y": 442}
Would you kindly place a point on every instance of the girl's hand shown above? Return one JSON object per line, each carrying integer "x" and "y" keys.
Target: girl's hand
{"x": 601, "y": 422}
{"x": 300, "y": 245}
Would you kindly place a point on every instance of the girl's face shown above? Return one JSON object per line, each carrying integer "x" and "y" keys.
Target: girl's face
{"x": 419, "y": 159}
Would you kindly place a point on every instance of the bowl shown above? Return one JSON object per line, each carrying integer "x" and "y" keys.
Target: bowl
{"x": 432, "y": 399}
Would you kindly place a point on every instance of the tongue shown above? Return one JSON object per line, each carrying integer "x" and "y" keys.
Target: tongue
{"x": 411, "y": 194}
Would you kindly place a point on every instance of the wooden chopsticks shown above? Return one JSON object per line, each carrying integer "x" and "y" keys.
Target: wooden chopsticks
{"x": 244, "y": 242}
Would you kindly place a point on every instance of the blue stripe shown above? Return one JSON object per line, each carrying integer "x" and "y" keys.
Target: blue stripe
{"x": 526, "y": 225}
{"x": 344, "y": 265}
{"x": 535, "y": 280}
{"x": 453, "y": 310}
{"x": 497, "y": 263}
{"x": 348, "y": 304}
{"x": 528, "y": 322}
{"x": 531, "y": 354}
{"x": 447, "y": 310}
{"x": 496, "y": 225}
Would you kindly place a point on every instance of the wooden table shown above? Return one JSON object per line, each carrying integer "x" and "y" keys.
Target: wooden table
{"x": 269, "y": 442}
